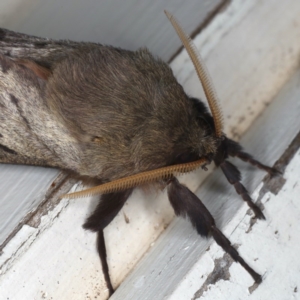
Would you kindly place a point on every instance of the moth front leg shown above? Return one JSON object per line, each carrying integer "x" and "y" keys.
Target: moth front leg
{"x": 187, "y": 204}
{"x": 234, "y": 149}
{"x": 233, "y": 176}
{"x": 106, "y": 210}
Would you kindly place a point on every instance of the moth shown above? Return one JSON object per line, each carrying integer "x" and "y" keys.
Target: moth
{"x": 119, "y": 117}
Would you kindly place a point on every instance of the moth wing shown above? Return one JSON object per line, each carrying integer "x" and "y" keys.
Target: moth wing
{"x": 29, "y": 132}
{"x": 43, "y": 51}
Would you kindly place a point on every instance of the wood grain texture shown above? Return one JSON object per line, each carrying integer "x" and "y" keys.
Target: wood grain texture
{"x": 122, "y": 23}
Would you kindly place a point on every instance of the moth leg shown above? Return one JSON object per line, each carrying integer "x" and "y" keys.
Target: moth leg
{"x": 233, "y": 176}
{"x": 187, "y": 204}
{"x": 235, "y": 150}
{"x": 101, "y": 248}
{"x": 107, "y": 208}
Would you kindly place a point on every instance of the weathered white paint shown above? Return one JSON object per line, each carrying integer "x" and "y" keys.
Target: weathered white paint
{"x": 22, "y": 189}
{"x": 62, "y": 262}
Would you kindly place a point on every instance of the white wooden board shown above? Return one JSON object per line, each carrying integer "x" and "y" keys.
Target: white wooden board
{"x": 129, "y": 24}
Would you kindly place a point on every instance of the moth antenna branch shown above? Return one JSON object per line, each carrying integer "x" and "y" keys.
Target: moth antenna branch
{"x": 202, "y": 73}
{"x": 138, "y": 179}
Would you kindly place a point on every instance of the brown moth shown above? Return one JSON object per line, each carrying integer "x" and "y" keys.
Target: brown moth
{"x": 117, "y": 116}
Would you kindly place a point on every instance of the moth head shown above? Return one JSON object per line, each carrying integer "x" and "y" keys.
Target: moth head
{"x": 184, "y": 161}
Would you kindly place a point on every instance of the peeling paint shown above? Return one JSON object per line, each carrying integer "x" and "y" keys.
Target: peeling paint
{"x": 39, "y": 220}
{"x": 62, "y": 184}
{"x": 220, "y": 272}
{"x": 276, "y": 183}
{"x": 252, "y": 222}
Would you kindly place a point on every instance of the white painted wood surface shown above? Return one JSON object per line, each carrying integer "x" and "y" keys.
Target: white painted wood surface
{"x": 129, "y": 24}
{"x": 61, "y": 262}
{"x": 22, "y": 189}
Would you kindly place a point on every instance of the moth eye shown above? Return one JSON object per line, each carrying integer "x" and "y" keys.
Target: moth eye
{"x": 208, "y": 125}
{"x": 97, "y": 139}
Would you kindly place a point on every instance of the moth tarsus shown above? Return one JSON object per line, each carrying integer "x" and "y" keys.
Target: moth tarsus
{"x": 108, "y": 113}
